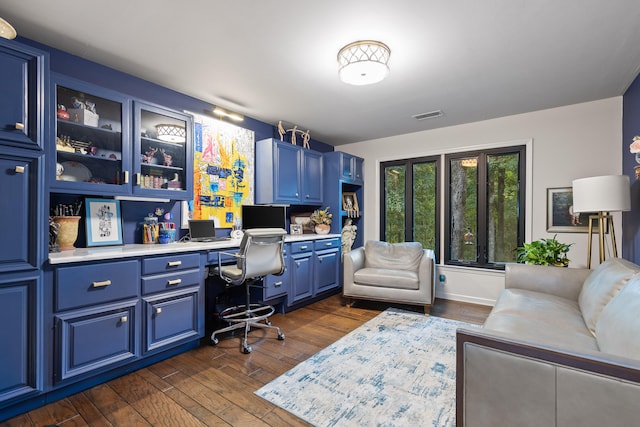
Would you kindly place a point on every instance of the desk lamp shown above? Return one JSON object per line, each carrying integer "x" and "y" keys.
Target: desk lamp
{"x": 601, "y": 194}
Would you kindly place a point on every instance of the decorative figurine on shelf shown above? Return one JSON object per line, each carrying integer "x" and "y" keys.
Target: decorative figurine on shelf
{"x": 167, "y": 158}
{"x": 348, "y": 235}
{"x": 62, "y": 112}
{"x": 305, "y": 135}
{"x": 149, "y": 156}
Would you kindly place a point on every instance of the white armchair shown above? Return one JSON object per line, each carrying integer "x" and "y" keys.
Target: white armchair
{"x": 396, "y": 272}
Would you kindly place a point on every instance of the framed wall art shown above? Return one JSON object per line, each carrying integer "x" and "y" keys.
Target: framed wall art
{"x": 103, "y": 222}
{"x": 560, "y": 215}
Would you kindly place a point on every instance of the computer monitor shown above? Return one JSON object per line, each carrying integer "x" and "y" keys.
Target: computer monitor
{"x": 264, "y": 216}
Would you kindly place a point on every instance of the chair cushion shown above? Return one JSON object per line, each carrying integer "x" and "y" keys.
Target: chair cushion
{"x": 393, "y": 256}
{"x": 618, "y": 326}
{"x": 540, "y": 317}
{"x": 601, "y": 286}
{"x": 399, "y": 279}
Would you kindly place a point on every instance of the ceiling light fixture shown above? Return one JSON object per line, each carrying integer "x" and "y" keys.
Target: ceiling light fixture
{"x": 364, "y": 62}
{"x": 6, "y": 30}
{"x": 171, "y": 133}
{"x": 221, "y": 112}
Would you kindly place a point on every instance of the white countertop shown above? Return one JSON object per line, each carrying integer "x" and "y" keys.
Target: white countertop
{"x": 135, "y": 250}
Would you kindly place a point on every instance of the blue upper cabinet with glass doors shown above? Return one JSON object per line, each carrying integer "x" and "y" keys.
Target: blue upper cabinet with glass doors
{"x": 92, "y": 153}
{"x": 22, "y": 81}
{"x": 163, "y": 152}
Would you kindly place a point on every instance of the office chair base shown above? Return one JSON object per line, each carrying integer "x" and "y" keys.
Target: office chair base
{"x": 241, "y": 317}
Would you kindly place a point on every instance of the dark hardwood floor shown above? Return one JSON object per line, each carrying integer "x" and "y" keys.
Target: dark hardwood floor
{"x": 214, "y": 386}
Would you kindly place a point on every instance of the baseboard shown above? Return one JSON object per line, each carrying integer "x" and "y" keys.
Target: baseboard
{"x": 465, "y": 298}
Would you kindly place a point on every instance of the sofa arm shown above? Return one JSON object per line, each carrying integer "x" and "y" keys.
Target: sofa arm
{"x": 503, "y": 381}
{"x": 352, "y": 261}
{"x": 559, "y": 281}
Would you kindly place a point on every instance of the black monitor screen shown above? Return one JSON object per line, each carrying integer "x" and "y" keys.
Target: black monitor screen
{"x": 263, "y": 216}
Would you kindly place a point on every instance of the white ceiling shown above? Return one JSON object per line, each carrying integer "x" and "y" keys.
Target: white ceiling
{"x": 276, "y": 59}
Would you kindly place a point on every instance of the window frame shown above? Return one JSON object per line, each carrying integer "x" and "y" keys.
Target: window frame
{"x": 408, "y": 197}
{"x": 482, "y": 208}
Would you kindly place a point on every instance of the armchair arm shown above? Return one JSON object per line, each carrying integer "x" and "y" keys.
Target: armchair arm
{"x": 427, "y": 273}
{"x": 559, "y": 281}
{"x": 352, "y": 262}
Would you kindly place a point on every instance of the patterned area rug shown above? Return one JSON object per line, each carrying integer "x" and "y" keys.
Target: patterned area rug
{"x": 398, "y": 369}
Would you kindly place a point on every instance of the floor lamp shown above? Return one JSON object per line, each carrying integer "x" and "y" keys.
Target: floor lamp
{"x": 601, "y": 194}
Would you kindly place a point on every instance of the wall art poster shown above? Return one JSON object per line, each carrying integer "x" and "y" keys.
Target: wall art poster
{"x": 223, "y": 171}
{"x": 103, "y": 222}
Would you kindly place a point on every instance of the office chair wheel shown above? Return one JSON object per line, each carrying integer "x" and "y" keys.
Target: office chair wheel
{"x": 280, "y": 336}
{"x": 246, "y": 349}
{"x": 214, "y": 341}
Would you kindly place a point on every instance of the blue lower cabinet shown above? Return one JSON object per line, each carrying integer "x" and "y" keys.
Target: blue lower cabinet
{"x": 301, "y": 277}
{"x": 92, "y": 339}
{"x": 170, "y": 319}
{"x": 327, "y": 270}
{"x": 19, "y": 319}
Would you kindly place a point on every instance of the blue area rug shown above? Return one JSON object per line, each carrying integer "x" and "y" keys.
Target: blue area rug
{"x": 398, "y": 369}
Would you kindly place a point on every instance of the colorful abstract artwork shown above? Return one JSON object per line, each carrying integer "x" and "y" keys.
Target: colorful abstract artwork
{"x": 223, "y": 171}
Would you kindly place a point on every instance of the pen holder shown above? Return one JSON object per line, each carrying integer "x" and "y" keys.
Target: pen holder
{"x": 167, "y": 235}
{"x": 150, "y": 233}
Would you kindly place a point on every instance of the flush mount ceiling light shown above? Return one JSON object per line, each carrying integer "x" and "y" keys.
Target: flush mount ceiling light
{"x": 221, "y": 112}
{"x": 171, "y": 133}
{"x": 364, "y": 62}
{"x": 6, "y": 30}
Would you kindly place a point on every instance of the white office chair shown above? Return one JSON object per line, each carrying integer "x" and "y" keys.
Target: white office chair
{"x": 261, "y": 253}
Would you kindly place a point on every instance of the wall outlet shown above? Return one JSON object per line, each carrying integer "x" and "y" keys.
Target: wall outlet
{"x": 442, "y": 278}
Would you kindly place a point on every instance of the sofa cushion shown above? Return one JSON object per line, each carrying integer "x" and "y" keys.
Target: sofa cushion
{"x": 400, "y": 279}
{"x": 541, "y": 318}
{"x": 618, "y": 326}
{"x": 393, "y": 256}
{"x": 601, "y": 286}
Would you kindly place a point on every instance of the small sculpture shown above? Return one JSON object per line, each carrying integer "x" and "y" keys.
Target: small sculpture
{"x": 167, "y": 158}
{"x": 54, "y": 228}
{"x": 305, "y": 135}
{"x": 348, "y": 235}
{"x": 149, "y": 155}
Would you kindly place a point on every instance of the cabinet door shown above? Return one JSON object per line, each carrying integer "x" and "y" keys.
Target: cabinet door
{"x": 286, "y": 176}
{"x": 170, "y": 319}
{"x": 22, "y": 71}
{"x": 92, "y": 151}
{"x": 327, "y": 270}
{"x": 358, "y": 170}
{"x": 18, "y": 335}
{"x": 163, "y": 153}
{"x": 19, "y": 181}
{"x": 311, "y": 177}
{"x": 87, "y": 340}
{"x": 346, "y": 168}
{"x": 301, "y": 277}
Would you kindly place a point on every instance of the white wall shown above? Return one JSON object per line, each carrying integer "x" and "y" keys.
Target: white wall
{"x": 564, "y": 143}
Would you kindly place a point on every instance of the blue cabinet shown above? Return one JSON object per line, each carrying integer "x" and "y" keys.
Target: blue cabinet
{"x": 287, "y": 174}
{"x": 301, "y": 268}
{"x": 315, "y": 268}
{"x": 327, "y": 265}
{"x": 23, "y": 76}
{"x": 19, "y": 359}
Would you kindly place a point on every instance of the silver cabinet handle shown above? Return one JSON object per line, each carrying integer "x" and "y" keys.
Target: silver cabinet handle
{"x": 174, "y": 282}
{"x": 101, "y": 284}
{"x": 297, "y": 264}
{"x": 296, "y": 194}
{"x": 137, "y": 179}
{"x": 174, "y": 263}
{"x": 19, "y": 126}
{"x": 124, "y": 319}
{"x": 303, "y": 247}
{"x": 19, "y": 169}
{"x": 126, "y": 177}
{"x": 277, "y": 284}
{"x": 158, "y": 310}
{"x": 328, "y": 244}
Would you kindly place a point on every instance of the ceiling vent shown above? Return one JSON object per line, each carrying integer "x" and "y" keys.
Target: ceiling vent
{"x": 429, "y": 115}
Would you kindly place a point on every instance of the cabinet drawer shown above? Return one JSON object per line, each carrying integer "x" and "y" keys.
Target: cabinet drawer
{"x": 326, "y": 244}
{"x": 166, "y": 264}
{"x": 95, "y": 338}
{"x": 85, "y": 285}
{"x": 170, "y": 281}
{"x": 275, "y": 286}
{"x": 300, "y": 247}
{"x": 169, "y": 320}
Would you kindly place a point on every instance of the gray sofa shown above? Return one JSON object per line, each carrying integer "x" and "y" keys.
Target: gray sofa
{"x": 396, "y": 272}
{"x": 561, "y": 347}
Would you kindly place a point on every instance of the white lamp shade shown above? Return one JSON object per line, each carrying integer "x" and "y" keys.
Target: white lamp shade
{"x": 609, "y": 193}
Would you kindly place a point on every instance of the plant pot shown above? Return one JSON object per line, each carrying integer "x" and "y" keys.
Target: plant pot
{"x": 322, "y": 228}
{"x": 67, "y": 231}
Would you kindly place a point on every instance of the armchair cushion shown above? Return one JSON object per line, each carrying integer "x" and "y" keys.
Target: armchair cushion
{"x": 402, "y": 279}
{"x": 393, "y": 256}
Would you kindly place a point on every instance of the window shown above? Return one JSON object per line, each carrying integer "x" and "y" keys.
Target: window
{"x": 484, "y": 204}
{"x": 409, "y": 195}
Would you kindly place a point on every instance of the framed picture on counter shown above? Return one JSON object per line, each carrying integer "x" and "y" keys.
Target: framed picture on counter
{"x": 103, "y": 222}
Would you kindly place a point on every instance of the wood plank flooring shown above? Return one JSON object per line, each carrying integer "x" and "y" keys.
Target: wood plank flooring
{"x": 213, "y": 386}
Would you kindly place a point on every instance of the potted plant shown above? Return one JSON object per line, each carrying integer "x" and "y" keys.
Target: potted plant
{"x": 321, "y": 218}
{"x": 544, "y": 252}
